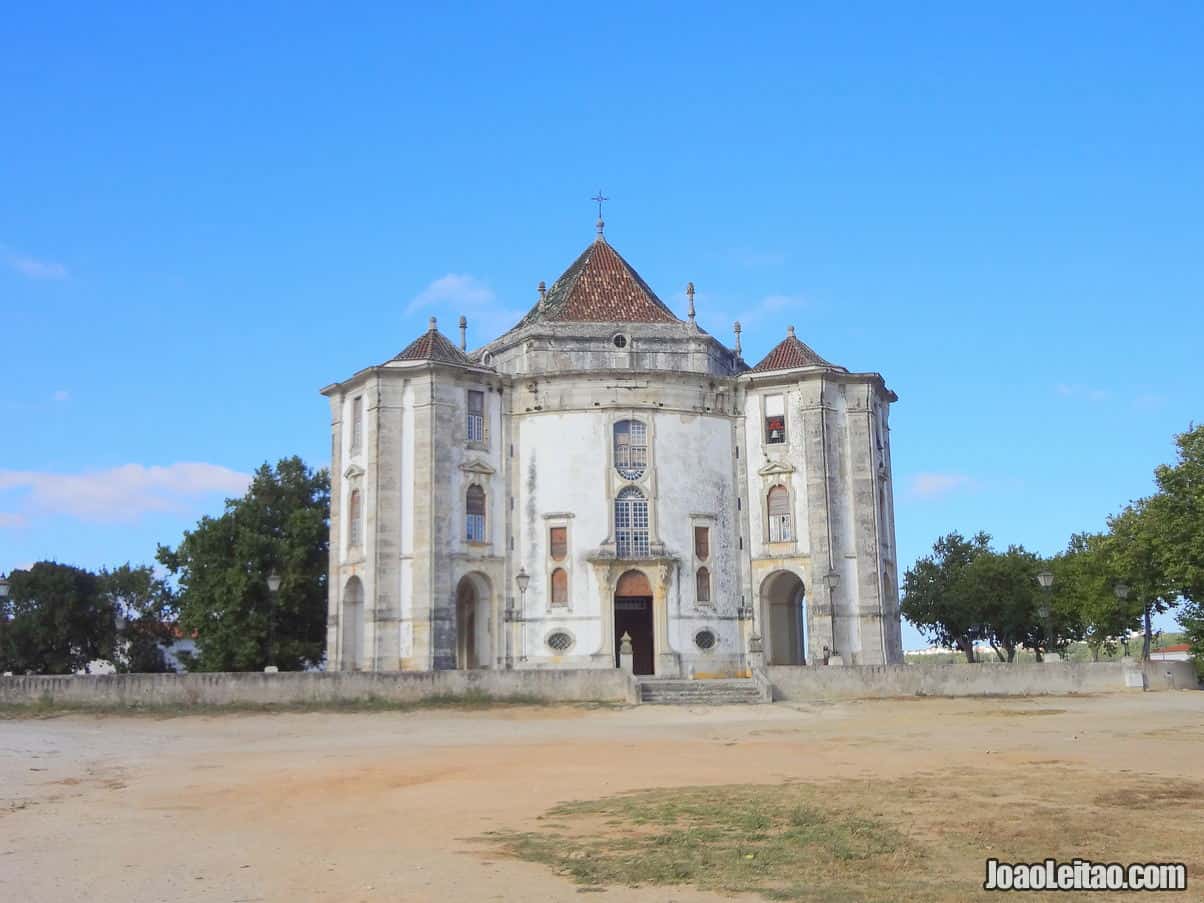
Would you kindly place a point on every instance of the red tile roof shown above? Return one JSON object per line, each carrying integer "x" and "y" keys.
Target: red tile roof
{"x": 789, "y": 354}
{"x": 432, "y": 345}
{"x": 600, "y": 287}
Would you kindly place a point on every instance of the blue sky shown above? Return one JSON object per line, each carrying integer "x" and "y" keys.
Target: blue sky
{"x": 208, "y": 214}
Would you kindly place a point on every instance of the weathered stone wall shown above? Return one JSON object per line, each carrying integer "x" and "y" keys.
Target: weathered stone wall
{"x": 868, "y": 681}
{"x": 294, "y": 688}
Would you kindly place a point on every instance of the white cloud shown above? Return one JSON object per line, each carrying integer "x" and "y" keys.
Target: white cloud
{"x": 1090, "y": 393}
{"x": 62, "y": 395}
{"x": 120, "y": 494}
{"x": 31, "y": 267}
{"x": 935, "y": 485}
{"x": 11, "y": 519}
{"x": 459, "y": 293}
{"x": 461, "y": 289}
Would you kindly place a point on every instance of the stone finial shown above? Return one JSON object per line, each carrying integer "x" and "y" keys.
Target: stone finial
{"x": 600, "y": 226}
{"x": 790, "y": 332}
{"x": 690, "y": 295}
{"x": 543, "y": 293}
{"x": 737, "y": 329}
{"x": 432, "y": 326}
{"x": 463, "y": 332}
{"x": 625, "y": 644}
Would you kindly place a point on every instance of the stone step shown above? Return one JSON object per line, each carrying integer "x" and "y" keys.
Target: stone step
{"x": 735, "y": 691}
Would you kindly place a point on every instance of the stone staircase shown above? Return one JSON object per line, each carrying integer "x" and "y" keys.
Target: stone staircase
{"x": 731, "y": 691}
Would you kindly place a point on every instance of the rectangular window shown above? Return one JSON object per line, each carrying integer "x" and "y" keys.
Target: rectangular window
{"x": 474, "y": 525}
{"x": 779, "y": 515}
{"x": 702, "y": 543}
{"x": 476, "y": 416}
{"x": 558, "y": 541}
{"x": 775, "y": 420}
{"x": 560, "y": 587}
{"x": 357, "y": 424}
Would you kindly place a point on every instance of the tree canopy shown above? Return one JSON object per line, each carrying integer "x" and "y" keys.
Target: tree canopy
{"x": 281, "y": 524}
{"x": 55, "y": 620}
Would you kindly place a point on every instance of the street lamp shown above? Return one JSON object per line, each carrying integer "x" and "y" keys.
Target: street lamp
{"x": 273, "y": 589}
{"x": 1046, "y": 579}
{"x": 1121, "y": 591}
{"x": 831, "y": 581}
{"x": 4, "y": 585}
{"x": 523, "y": 579}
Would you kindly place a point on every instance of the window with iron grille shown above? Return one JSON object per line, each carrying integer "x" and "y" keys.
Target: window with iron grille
{"x": 780, "y": 529}
{"x": 703, "y": 578}
{"x": 357, "y": 424}
{"x": 476, "y": 416}
{"x": 474, "y": 530}
{"x": 702, "y": 543}
{"x": 355, "y": 521}
{"x": 560, "y": 587}
{"x": 631, "y": 448}
{"x": 775, "y": 420}
{"x": 558, "y": 542}
{"x": 631, "y": 524}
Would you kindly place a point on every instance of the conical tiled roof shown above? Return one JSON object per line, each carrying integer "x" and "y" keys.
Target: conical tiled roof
{"x": 432, "y": 345}
{"x": 600, "y": 287}
{"x": 789, "y": 354}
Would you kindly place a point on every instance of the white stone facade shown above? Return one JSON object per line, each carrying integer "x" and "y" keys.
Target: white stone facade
{"x": 419, "y": 582}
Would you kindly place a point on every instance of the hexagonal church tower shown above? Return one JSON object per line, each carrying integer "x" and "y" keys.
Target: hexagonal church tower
{"x": 605, "y": 468}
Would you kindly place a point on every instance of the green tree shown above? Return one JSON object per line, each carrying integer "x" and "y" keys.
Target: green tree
{"x": 144, "y": 602}
{"x": 1136, "y": 549}
{"x": 934, "y": 594}
{"x": 1007, "y": 598}
{"x": 1085, "y": 586}
{"x": 1181, "y": 530}
{"x": 55, "y": 620}
{"x": 221, "y": 567}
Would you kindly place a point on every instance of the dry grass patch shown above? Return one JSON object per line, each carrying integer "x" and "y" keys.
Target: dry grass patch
{"x": 924, "y": 838}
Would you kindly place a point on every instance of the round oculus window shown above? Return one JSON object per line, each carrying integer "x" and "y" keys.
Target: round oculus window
{"x": 620, "y": 340}
{"x": 559, "y": 641}
{"x": 705, "y": 639}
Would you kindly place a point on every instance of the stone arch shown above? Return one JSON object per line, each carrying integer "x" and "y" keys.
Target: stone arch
{"x": 351, "y": 626}
{"x": 474, "y": 624}
{"x": 783, "y": 618}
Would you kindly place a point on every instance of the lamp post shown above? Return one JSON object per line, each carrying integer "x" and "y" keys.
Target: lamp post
{"x": 523, "y": 579}
{"x": 832, "y": 581}
{"x": 1046, "y": 579}
{"x": 4, "y": 586}
{"x": 273, "y": 589}
{"x": 1121, "y": 591}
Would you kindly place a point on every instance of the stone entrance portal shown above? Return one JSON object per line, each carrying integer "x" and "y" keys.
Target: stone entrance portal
{"x": 783, "y": 621}
{"x": 472, "y": 622}
{"x": 633, "y": 616}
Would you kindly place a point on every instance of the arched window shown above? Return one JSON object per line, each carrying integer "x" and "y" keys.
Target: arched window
{"x": 355, "y": 529}
{"x": 474, "y": 521}
{"x": 780, "y": 529}
{"x": 631, "y": 448}
{"x": 631, "y": 524}
{"x": 703, "y": 578}
{"x": 560, "y": 587}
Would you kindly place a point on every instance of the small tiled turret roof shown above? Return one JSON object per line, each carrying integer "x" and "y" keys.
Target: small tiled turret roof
{"x": 789, "y": 354}
{"x": 432, "y": 345}
{"x": 599, "y": 287}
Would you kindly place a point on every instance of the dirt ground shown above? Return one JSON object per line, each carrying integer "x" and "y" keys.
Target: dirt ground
{"x": 391, "y": 806}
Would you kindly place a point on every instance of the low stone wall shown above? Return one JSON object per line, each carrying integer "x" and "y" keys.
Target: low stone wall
{"x": 985, "y": 679}
{"x": 293, "y": 688}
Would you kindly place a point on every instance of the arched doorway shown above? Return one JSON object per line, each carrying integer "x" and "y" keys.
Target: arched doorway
{"x": 473, "y": 628}
{"x": 633, "y": 616}
{"x": 783, "y": 620}
{"x": 352, "y": 626}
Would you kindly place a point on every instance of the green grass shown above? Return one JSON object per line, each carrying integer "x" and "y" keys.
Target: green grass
{"x": 472, "y": 701}
{"x": 784, "y": 842}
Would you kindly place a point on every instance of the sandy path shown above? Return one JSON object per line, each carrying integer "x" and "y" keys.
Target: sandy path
{"x": 385, "y": 806}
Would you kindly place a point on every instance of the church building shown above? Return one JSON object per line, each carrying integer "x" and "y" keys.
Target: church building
{"x": 606, "y": 469}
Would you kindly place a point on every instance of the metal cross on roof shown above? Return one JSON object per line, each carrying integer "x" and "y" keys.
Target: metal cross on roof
{"x": 599, "y": 197}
